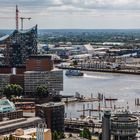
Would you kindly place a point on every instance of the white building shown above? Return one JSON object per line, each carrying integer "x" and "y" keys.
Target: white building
{"x": 88, "y": 48}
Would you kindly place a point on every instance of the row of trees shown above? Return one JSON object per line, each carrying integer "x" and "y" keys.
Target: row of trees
{"x": 85, "y": 133}
{"x": 13, "y": 90}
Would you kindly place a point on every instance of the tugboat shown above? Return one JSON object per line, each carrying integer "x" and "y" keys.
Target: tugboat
{"x": 73, "y": 73}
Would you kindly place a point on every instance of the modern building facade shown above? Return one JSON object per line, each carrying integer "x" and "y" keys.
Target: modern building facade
{"x": 52, "y": 79}
{"x": 53, "y": 114}
{"x": 8, "y": 110}
{"x": 124, "y": 126}
{"x": 18, "y": 46}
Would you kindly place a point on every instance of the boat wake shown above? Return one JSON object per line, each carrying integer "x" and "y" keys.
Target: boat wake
{"x": 95, "y": 77}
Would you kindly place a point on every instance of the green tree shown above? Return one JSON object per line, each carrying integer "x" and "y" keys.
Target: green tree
{"x": 85, "y": 133}
{"x": 42, "y": 91}
{"x": 61, "y": 135}
{"x": 55, "y": 136}
{"x": 12, "y": 89}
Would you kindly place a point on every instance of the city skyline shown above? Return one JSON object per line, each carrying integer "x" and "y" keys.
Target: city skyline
{"x": 74, "y": 14}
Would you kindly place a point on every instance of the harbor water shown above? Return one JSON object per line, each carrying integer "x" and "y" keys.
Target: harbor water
{"x": 121, "y": 86}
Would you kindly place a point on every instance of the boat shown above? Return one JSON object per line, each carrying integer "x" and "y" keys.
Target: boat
{"x": 74, "y": 73}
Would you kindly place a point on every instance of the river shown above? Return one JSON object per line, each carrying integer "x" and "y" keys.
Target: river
{"x": 121, "y": 86}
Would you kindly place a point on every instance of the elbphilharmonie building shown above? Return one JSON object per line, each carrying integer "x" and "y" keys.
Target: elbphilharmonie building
{"x": 18, "y": 46}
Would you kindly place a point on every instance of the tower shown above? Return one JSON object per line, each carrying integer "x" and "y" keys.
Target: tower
{"x": 106, "y": 125}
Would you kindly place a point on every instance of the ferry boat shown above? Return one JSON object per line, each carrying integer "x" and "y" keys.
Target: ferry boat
{"x": 73, "y": 73}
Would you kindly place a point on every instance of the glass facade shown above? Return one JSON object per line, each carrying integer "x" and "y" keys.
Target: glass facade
{"x": 19, "y": 46}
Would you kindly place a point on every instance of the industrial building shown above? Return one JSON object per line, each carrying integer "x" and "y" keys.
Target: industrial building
{"x": 53, "y": 114}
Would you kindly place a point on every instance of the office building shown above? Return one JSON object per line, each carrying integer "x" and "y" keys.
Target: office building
{"x": 39, "y": 71}
{"x": 53, "y": 114}
{"x": 52, "y": 79}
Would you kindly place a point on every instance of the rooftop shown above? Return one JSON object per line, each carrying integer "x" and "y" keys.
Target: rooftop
{"x": 41, "y": 56}
{"x": 51, "y": 104}
{"x": 124, "y": 116}
{"x": 18, "y": 122}
{"x": 27, "y": 133}
{"x": 6, "y": 105}
{"x": 53, "y": 70}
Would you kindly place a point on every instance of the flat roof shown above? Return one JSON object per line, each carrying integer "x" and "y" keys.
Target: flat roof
{"x": 12, "y": 121}
{"x": 28, "y": 120}
{"x": 51, "y": 104}
{"x": 40, "y": 56}
{"x": 53, "y": 70}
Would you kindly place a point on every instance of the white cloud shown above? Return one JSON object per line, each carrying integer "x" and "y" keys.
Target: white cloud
{"x": 75, "y": 11}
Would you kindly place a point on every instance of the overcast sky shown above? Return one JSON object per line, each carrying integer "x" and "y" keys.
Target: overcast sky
{"x": 73, "y": 14}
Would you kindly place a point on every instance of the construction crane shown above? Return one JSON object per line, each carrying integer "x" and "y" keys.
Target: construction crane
{"x": 22, "y": 19}
{"x": 17, "y": 18}
{"x": 17, "y": 15}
